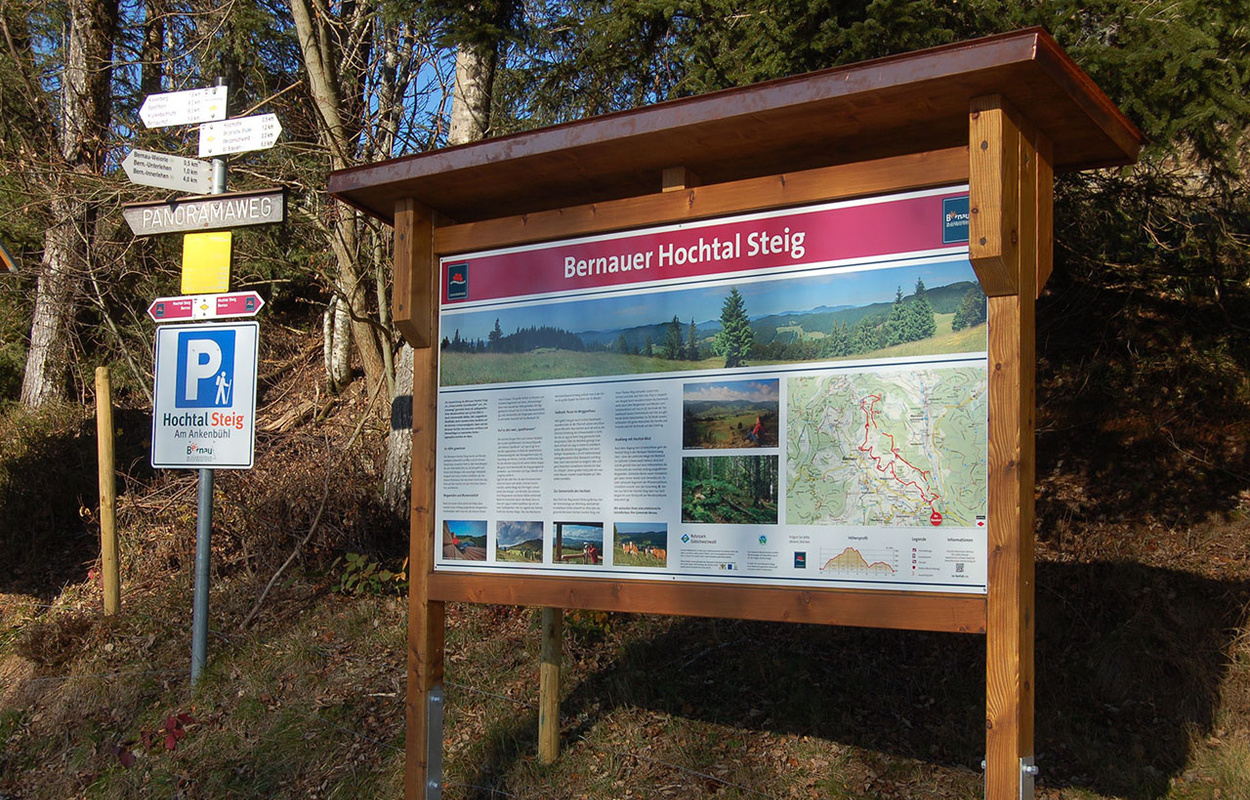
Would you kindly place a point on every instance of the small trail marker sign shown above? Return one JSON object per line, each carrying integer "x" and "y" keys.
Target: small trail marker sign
{"x": 239, "y": 135}
{"x": 189, "y": 107}
{"x": 206, "y": 262}
{"x": 169, "y": 172}
{"x": 213, "y": 306}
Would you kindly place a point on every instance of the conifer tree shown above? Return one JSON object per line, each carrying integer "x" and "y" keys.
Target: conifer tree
{"x": 897, "y": 323}
{"x": 692, "y": 343}
{"x": 971, "y": 311}
{"x": 920, "y": 322}
{"x": 839, "y": 342}
{"x": 736, "y": 337}
{"x": 866, "y": 337}
{"x": 672, "y": 340}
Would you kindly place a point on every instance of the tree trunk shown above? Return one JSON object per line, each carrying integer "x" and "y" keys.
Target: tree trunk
{"x": 470, "y": 120}
{"x": 85, "y": 104}
{"x": 321, "y": 61}
{"x": 337, "y": 352}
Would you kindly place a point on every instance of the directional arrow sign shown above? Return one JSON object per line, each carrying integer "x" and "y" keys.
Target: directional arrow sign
{"x": 169, "y": 172}
{"x": 184, "y": 108}
{"x": 239, "y": 135}
{"x": 215, "y": 212}
{"x": 211, "y": 306}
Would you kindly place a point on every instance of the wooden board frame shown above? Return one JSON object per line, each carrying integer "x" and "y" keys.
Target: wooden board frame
{"x": 1009, "y": 263}
{"x": 950, "y": 115}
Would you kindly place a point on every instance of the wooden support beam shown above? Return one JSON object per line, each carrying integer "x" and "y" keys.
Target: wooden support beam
{"x": 674, "y": 179}
{"x": 919, "y": 611}
{"x": 993, "y": 235}
{"x": 841, "y": 182}
{"x": 1045, "y": 206}
{"x": 426, "y": 617}
{"x": 1023, "y": 220}
{"x": 411, "y": 296}
{"x": 549, "y": 685}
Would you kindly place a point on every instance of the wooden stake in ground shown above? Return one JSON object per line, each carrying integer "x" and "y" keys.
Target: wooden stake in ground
{"x": 108, "y": 491}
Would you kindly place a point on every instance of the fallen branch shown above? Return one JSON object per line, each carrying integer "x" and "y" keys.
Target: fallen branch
{"x": 325, "y": 494}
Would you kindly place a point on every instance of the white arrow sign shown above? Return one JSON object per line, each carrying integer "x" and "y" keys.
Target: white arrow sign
{"x": 169, "y": 172}
{"x": 239, "y": 135}
{"x": 184, "y": 108}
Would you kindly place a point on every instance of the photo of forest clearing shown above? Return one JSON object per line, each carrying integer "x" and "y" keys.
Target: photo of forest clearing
{"x": 824, "y": 317}
{"x": 640, "y": 544}
{"x": 519, "y": 542}
{"x": 734, "y": 490}
{"x": 464, "y": 540}
{"x": 730, "y": 414}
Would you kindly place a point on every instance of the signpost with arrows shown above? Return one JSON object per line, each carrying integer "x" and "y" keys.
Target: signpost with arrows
{"x": 168, "y": 172}
{"x": 189, "y": 107}
{"x": 239, "y": 135}
{"x": 204, "y": 372}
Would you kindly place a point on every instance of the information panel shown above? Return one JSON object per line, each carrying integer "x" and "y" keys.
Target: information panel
{"x": 792, "y": 398}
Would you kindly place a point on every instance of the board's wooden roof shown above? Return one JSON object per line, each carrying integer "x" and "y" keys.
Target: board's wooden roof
{"x": 891, "y": 106}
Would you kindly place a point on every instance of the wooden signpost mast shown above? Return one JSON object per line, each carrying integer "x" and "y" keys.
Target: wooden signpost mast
{"x": 1000, "y": 114}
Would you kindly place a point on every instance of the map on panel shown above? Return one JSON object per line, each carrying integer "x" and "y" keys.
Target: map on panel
{"x": 887, "y": 448}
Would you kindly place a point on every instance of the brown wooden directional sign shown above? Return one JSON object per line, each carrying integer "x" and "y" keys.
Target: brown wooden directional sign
{"x": 213, "y": 212}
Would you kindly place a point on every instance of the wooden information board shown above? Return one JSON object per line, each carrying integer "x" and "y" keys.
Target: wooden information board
{"x": 809, "y": 197}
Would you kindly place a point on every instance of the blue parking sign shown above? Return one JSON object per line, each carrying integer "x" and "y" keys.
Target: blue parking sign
{"x": 204, "y": 396}
{"x": 205, "y": 369}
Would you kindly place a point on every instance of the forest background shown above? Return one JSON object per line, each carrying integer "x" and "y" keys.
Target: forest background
{"x": 1143, "y": 416}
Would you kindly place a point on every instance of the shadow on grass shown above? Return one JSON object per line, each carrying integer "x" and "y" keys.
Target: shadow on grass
{"x": 48, "y": 477}
{"x": 1129, "y": 665}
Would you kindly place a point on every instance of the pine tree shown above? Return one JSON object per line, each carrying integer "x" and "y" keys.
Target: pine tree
{"x": 495, "y": 335}
{"x": 866, "y": 337}
{"x": 971, "y": 311}
{"x": 839, "y": 342}
{"x": 692, "y": 343}
{"x": 672, "y": 340}
{"x": 735, "y": 338}
{"x": 920, "y": 321}
{"x": 896, "y": 323}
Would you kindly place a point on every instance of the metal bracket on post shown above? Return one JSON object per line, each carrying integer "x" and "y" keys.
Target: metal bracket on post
{"x": 434, "y": 743}
{"x": 1028, "y": 772}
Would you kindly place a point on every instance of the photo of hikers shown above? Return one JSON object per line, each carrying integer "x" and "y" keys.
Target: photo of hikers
{"x": 729, "y": 414}
{"x": 464, "y": 539}
{"x": 577, "y": 543}
{"x": 519, "y": 541}
{"x": 640, "y": 544}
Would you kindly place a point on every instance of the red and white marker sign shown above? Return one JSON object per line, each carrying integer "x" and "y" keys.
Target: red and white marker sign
{"x": 210, "y": 306}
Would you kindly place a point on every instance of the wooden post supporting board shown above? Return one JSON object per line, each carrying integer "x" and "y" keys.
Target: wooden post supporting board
{"x": 426, "y": 618}
{"x": 1010, "y": 215}
{"x": 549, "y": 685}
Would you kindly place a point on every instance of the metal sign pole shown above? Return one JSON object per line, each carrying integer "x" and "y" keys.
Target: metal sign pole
{"x": 204, "y": 517}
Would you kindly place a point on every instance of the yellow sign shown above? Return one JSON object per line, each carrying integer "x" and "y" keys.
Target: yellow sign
{"x": 206, "y": 263}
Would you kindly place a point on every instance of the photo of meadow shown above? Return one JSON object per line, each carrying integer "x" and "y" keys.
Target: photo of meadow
{"x": 640, "y": 544}
{"x": 730, "y": 414}
{"x": 921, "y": 308}
{"x": 519, "y": 541}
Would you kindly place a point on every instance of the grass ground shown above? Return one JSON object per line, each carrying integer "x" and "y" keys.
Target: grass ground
{"x": 1143, "y": 650}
